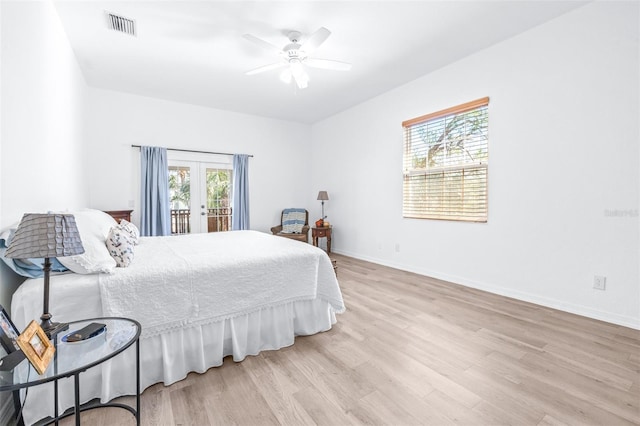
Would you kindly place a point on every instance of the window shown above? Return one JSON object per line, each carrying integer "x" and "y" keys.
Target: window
{"x": 219, "y": 185}
{"x": 200, "y": 195}
{"x": 446, "y": 156}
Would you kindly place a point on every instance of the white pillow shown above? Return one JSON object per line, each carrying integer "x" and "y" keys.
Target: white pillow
{"x": 120, "y": 245}
{"x": 93, "y": 226}
{"x": 102, "y": 222}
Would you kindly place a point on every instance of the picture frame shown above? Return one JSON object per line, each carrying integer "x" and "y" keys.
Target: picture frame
{"x": 8, "y": 332}
{"x": 36, "y": 346}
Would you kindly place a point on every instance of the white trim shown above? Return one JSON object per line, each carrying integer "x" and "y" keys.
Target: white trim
{"x": 222, "y": 161}
{"x": 626, "y": 321}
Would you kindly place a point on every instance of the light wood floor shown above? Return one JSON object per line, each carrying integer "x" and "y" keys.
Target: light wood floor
{"x": 415, "y": 350}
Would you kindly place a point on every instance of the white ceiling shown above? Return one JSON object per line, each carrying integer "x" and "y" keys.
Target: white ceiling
{"x": 193, "y": 51}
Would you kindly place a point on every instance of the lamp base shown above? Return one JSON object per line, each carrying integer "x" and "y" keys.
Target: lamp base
{"x": 51, "y": 328}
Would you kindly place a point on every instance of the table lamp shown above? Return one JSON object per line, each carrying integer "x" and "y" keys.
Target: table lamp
{"x": 41, "y": 235}
{"x": 323, "y": 196}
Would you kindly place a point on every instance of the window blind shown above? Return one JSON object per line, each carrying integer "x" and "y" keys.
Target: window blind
{"x": 445, "y": 164}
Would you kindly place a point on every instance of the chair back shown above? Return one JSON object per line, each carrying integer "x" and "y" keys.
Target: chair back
{"x": 306, "y": 219}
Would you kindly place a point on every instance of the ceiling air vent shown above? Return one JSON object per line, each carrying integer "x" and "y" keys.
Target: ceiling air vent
{"x": 121, "y": 24}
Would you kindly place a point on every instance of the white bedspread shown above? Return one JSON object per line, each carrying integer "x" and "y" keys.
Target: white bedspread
{"x": 182, "y": 281}
{"x": 169, "y": 356}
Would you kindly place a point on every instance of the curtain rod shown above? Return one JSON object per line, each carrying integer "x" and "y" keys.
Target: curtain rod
{"x": 191, "y": 150}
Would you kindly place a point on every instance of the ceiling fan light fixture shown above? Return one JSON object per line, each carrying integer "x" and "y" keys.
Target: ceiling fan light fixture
{"x": 296, "y": 68}
{"x": 302, "y": 81}
{"x": 299, "y": 74}
{"x": 285, "y": 76}
{"x": 300, "y": 77}
{"x": 294, "y": 57}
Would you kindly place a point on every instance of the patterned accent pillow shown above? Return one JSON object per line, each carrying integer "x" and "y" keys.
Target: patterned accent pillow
{"x": 120, "y": 246}
{"x": 293, "y": 220}
{"x": 131, "y": 229}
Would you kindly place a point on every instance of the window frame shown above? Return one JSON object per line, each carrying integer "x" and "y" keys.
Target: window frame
{"x": 463, "y": 213}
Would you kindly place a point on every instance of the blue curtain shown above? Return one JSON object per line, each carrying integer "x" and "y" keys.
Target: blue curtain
{"x": 240, "y": 215}
{"x": 154, "y": 184}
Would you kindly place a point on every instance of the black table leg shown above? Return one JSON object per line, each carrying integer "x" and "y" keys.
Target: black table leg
{"x": 76, "y": 378}
{"x": 55, "y": 382}
{"x": 55, "y": 400}
{"x": 18, "y": 407}
{"x": 138, "y": 382}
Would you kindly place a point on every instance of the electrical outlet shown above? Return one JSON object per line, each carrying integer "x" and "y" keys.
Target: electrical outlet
{"x": 397, "y": 248}
{"x": 599, "y": 282}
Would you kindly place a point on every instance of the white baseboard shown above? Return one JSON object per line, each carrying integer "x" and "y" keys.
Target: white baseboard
{"x": 581, "y": 310}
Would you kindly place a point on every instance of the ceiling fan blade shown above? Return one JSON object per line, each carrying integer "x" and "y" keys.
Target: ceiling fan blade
{"x": 315, "y": 40}
{"x": 263, "y": 44}
{"x": 266, "y": 68}
{"x": 327, "y": 64}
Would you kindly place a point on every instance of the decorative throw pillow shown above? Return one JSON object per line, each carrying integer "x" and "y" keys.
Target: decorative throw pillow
{"x": 131, "y": 229}
{"x": 293, "y": 220}
{"x": 120, "y": 246}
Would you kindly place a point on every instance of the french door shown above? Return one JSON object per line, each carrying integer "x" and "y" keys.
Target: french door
{"x": 200, "y": 195}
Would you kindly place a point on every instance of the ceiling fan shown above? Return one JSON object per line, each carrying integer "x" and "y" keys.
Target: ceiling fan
{"x": 295, "y": 56}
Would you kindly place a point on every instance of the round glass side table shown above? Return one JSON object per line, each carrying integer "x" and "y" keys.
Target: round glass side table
{"x": 72, "y": 359}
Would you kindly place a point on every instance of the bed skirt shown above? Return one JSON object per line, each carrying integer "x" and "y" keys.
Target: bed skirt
{"x": 169, "y": 357}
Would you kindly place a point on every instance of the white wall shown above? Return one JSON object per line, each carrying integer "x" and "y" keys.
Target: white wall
{"x": 43, "y": 99}
{"x": 278, "y": 173}
{"x": 41, "y": 125}
{"x": 564, "y": 152}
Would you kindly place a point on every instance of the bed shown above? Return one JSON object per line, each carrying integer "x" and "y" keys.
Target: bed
{"x": 198, "y": 297}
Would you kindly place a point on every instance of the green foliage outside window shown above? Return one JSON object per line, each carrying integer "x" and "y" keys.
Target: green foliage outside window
{"x": 218, "y": 188}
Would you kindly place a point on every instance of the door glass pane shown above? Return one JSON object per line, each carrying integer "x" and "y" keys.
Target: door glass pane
{"x": 218, "y": 200}
{"x": 180, "y": 197}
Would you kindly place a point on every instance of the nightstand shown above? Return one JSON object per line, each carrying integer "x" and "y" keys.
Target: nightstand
{"x": 321, "y": 233}
{"x": 72, "y": 359}
{"x": 118, "y": 215}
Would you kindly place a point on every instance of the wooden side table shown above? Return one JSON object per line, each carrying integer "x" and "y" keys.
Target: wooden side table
{"x": 321, "y": 233}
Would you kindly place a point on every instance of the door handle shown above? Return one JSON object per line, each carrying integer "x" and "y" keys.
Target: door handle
{"x": 203, "y": 213}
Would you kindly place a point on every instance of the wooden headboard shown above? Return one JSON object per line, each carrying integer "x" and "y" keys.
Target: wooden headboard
{"x": 118, "y": 215}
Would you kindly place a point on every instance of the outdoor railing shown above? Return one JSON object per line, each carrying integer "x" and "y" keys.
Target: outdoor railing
{"x": 218, "y": 219}
{"x": 180, "y": 221}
